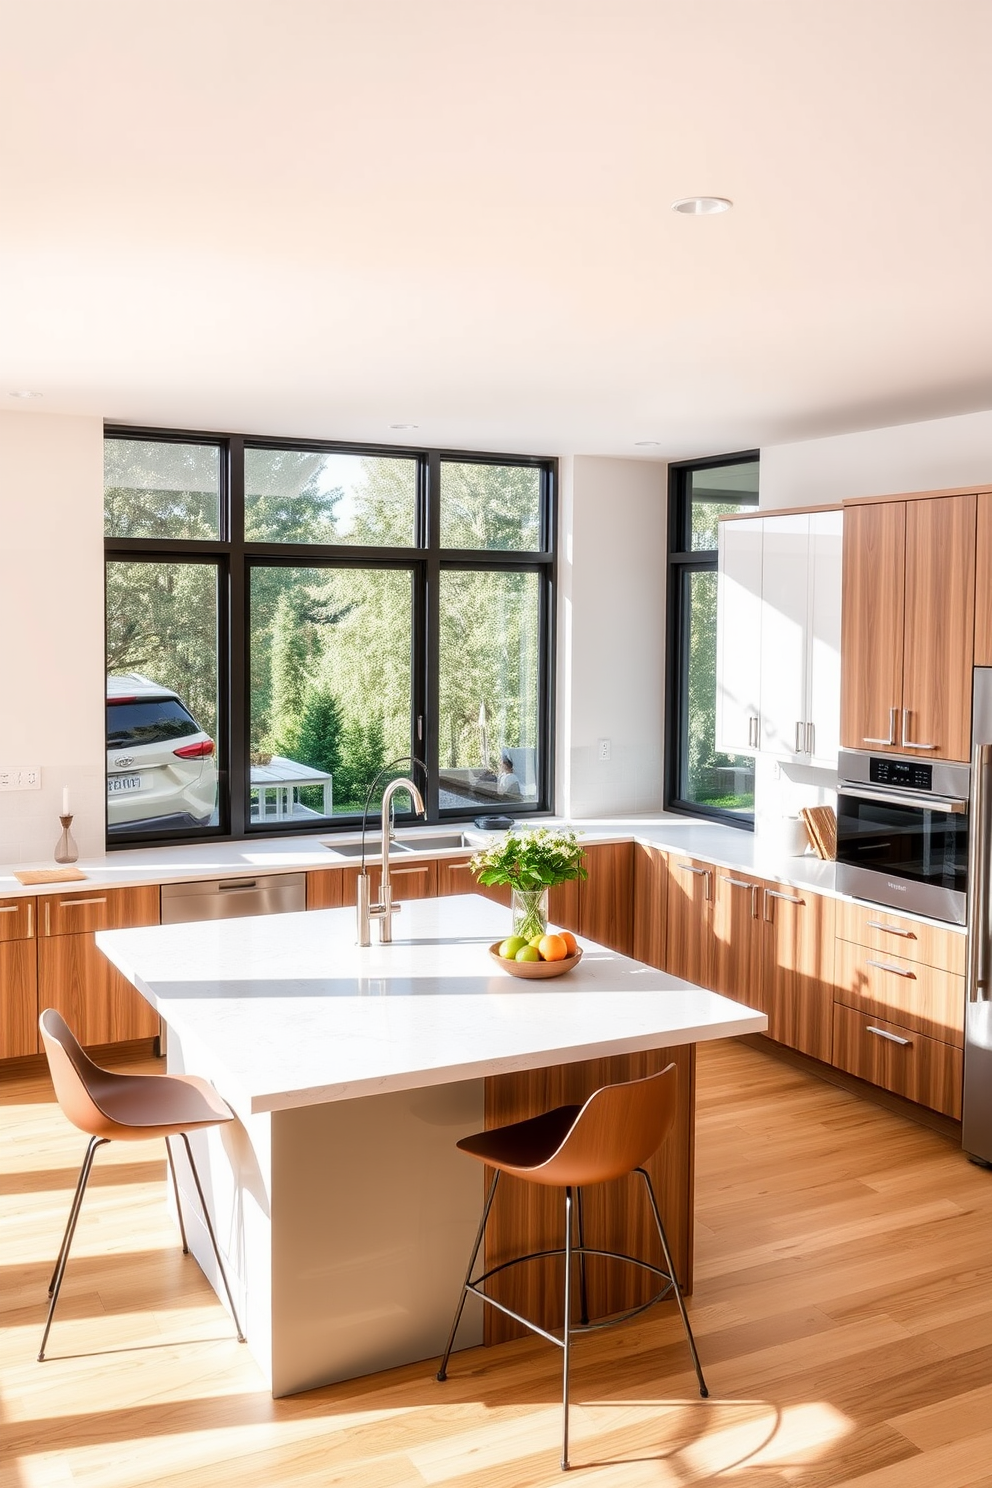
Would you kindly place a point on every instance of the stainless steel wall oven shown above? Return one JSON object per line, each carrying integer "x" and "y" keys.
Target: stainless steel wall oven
{"x": 902, "y": 833}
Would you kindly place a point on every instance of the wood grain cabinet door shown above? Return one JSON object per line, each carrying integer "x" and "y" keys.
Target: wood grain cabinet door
{"x": 18, "y": 978}
{"x": 650, "y": 905}
{"x": 691, "y": 941}
{"x": 75, "y": 977}
{"x": 872, "y": 614}
{"x": 797, "y": 969}
{"x": 737, "y": 938}
{"x": 606, "y": 897}
{"x": 983, "y": 580}
{"x": 939, "y": 627}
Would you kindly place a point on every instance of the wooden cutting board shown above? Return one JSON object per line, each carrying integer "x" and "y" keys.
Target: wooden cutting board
{"x": 49, "y": 875}
{"x": 821, "y": 824}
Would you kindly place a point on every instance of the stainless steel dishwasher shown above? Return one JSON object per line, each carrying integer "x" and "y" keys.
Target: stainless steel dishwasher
{"x": 233, "y": 898}
{"x": 229, "y": 899}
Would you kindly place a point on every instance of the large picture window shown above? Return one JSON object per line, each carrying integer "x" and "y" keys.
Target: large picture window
{"x": 700, "y": 778}
{"x": 286, "y": 619}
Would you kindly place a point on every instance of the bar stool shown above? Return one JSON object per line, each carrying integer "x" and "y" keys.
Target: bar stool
{"x": 132, "y": 1108}
{"x": 614, "y": 1133}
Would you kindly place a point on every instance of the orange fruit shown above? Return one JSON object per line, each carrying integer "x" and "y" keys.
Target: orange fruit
{"x": 570, "y": 941}
{"x": 553, "y": 948}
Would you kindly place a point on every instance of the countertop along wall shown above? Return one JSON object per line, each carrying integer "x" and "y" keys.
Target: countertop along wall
{"x": 51, "y": 622}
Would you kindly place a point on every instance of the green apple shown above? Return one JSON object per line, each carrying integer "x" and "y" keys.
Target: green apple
{"x": 528, "y": 953}
{"x": 509, "y": 947}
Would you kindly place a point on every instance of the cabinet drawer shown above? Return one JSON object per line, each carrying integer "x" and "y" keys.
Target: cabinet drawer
{"x": 882, "y": 931}
{"x": 17, "y": 919}
{"x": 106, "y": 909}
{"x": 886, "y": 986}
{"x": 899, "y": 1059}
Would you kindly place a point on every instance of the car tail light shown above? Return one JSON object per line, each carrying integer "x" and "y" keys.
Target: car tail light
{"x": 201, "y": 750}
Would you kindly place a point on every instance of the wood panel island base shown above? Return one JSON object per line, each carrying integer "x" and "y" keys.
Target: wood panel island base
{"x": 340, "y": 1202}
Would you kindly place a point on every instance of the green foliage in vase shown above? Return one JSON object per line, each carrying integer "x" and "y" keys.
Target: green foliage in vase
{"x": 537, "y": 859}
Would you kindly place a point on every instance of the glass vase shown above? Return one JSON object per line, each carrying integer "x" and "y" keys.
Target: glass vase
{"x": 66, "y": 850}
{"x": 529, "y": 908}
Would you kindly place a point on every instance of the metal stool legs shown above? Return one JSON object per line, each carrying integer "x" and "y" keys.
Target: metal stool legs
{"x": 55, "y": 1285}
{"x": 442, "y": 1373}
{"x": 569, "y": 1329}
{"x": 703, "y": 1390}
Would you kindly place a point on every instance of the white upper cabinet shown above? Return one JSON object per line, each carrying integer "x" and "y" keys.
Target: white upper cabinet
{"x": 738, "y": 664}
{"x": 778, "y": 652}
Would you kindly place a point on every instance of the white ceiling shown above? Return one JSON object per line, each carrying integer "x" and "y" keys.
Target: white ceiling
{"x": 321, "y": 217}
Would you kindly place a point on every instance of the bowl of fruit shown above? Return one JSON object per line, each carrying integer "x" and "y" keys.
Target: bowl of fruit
{"x": 548, "y": 955}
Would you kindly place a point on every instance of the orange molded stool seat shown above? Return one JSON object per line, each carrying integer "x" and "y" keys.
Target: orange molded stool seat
{"x": 131, "y": 1108}
{"x": 614, "y": 1133}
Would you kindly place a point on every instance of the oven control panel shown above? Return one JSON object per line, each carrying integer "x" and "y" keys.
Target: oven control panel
{"x": 909, "y": 774}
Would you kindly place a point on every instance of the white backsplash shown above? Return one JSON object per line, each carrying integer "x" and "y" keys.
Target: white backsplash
{"x": 781, "y": 790}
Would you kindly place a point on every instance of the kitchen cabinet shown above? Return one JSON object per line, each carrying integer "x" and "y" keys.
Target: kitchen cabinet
{"x": 800, "y": 636}
{"x": 908, "y": 627}
{"x": 797, "y": 969}
{"x": 18, "y": 978}
{"x": 778, "y": 635}
{"x": 606, "y": 897}
{"x": 983, "y": 580}
{"x": 691, "y": 941}
{"x": 74, "y": 977}
{"x": 738, "y": 665}
{"x": 899, "y": 1059}
{"x": 650, "y": 927}
{"x": 737, "y": 937}
{"x": 332, "y": 888}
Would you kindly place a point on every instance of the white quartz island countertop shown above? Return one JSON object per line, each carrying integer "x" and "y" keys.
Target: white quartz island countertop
{"x": 292, "y": 1012}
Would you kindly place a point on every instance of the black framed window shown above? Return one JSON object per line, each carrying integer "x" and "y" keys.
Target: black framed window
{"x": 700, "y": 779}
{"x": 285, "y": 618}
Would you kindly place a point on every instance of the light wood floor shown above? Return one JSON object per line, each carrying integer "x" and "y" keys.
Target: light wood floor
{"x": 843, "y": 1310}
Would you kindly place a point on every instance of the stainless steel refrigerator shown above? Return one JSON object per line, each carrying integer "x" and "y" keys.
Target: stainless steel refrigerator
{"x": 976, "y": 1129}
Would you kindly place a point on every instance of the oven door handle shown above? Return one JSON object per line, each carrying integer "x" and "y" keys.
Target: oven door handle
{"x": 956, "y": 805}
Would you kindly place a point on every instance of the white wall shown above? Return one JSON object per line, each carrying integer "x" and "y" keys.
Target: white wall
{"x": 51, "y": 629}
{"x": 879, "y": 462}
{"x": 612, "y": 635}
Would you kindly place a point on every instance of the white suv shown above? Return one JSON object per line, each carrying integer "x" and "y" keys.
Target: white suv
{"x": 161, "y": 766}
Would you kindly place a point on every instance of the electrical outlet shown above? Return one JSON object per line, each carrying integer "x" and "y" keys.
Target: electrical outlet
{"x": 605, "y": 750}
{"x": 20, "y": 777}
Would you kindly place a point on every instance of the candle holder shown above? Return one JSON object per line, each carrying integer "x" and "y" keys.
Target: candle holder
{"x": 66, "y": 850}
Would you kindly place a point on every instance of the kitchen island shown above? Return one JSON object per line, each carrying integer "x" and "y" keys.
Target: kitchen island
{"x": 339, "y": 1199}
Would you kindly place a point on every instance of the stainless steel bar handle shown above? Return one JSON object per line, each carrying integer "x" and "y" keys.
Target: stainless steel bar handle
{"x": 72, "y": 903}
{"x": 977, "y": 978}
{"x": 895, "y": 970}
{"x": 810, "y": 738}
{"x": 893, "y": 1038}
{"x": 892, "y": 730}
{"x": 706, "y": 873}
{"x": 798, "y": 740}
{"x": 955, "y": 805}
{"x": 238, "y": 883}
{"x": 911, "y": 743}
{"x": 752, "y": 731}
{"x": 11, "y": 908}
{"x": 890, "y": 929}
{"x": 789, "y": 899}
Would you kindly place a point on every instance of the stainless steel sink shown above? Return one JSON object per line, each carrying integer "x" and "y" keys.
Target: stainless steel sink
{"x": 373, "y": 848}
{"x": 436, "y": 843}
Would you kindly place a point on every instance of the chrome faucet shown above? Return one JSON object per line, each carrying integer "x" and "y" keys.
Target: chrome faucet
{"x": 385, "y": 909}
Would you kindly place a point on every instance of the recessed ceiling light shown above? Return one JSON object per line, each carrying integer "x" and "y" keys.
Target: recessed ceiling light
{"x": 647, "y": 443}
{"x": 702, "y": 206}
{"x": 24, "y": 393}
{"x": 404, "y": 426}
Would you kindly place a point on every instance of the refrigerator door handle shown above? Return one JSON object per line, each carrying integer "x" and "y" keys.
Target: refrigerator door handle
{"x": 979, "y": 846}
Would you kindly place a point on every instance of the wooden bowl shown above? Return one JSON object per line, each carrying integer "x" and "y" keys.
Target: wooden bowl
{"x": 534, "y": 968}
